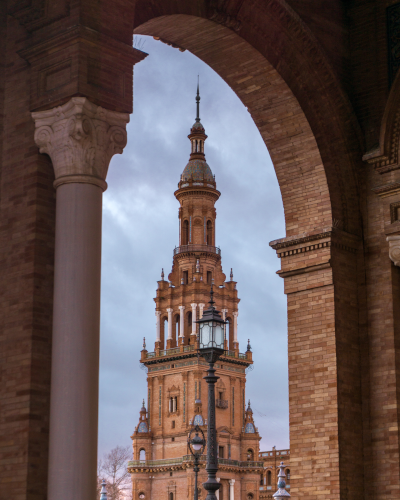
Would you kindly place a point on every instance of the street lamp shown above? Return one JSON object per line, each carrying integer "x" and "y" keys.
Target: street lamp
{"x": 211, "y": 347}
{"x": 196, "y": 447}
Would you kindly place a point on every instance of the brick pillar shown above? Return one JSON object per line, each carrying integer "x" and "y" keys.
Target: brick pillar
{"x": 326, "y": 447}
{"x": 80, "y": 139}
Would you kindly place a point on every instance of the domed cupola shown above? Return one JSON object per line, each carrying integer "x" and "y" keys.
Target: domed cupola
{"x": 197, "y": 169}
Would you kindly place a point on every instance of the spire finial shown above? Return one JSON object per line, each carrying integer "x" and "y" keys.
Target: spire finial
{"x": 144, "y": 342}
{"x": 143, "y": 405}
{"x": 162, "y": 274}
{"x": 231, "y": 275}
{"x": 281, "y": 494}
{"x": 103, "y": 492}
{"x": 198, "y": 100}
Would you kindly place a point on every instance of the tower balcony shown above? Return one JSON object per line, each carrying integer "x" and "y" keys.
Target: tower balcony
{"x": 189, "y": 350}
{"x": 197, "y": 248}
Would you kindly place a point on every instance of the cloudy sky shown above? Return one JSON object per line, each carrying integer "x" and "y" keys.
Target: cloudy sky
{"x": 140, "y": 230}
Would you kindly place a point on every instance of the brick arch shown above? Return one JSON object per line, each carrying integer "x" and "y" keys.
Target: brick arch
{"x": 289, "y": 96}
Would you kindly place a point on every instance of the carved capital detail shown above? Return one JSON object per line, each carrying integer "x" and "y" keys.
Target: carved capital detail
{"x": 80, "y": 138}
{"x": 394, "y": 249}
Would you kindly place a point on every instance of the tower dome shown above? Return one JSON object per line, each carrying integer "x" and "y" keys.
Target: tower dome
{"x": 197, "y": 170}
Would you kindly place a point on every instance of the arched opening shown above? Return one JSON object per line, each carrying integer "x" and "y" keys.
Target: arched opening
{"x": 164, "y": 332}
{"x": 250, "y": 455}
{"x": 269, "y": 478}
{"x": 209, "y": 233}
{"x": 188, "y": 327}
{"x": 185, "y": 232}
{"x": 171, "y": 496}
{"x": 176, "y": 329}
{"x": 229, "y": 332}
{"x": 305, "y": 163}
{"x": 142, "y": 455}
{"x": 287, "y": 476}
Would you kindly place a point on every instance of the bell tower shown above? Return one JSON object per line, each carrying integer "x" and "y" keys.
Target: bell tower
{"x": 177, "y": 394}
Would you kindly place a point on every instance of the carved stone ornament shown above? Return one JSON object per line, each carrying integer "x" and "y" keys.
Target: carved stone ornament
{"x": 394, "y": 249}
{"x": 80, "y": 138}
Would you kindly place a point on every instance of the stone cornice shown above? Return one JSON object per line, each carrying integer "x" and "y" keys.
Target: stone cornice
{"x": 82, "y": 33}
{"x": 80, "y": 138}
{"x": 325, "y": 238}
{"x": 385, "y": 190}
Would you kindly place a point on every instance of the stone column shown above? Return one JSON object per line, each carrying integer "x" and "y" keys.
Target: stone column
{"x": 169, "y": 339}
{"x": 181, "y": 321}
{"x": 194, "y": 325}
{"x": 201, "y": 307}
{"x": 217, "y": 492}
{"x": 80, "y": 139}
{"x": 235, "y": 325}
{"x": 231, "y": 489}
{"x": 158, "y": 329}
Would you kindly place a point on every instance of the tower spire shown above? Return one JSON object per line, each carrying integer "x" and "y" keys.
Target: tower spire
{"x": 198, "y": 100}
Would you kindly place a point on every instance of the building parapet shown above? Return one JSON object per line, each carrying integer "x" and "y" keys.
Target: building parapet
{"x": 273, "y": 453}
{"x": 186, "y": 461}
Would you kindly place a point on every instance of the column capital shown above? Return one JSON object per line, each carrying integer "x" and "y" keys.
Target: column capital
{"x": 193, "y": 306}
{"x": 158, "y": 313}
{"x": 169, "y": 309}
{"x": 394, "y": 248}
{"x": 181, "y": 308}
{"x": 232, "y": 481}
{"x": 80, "y": 138}
{"x": 235, "y": 314}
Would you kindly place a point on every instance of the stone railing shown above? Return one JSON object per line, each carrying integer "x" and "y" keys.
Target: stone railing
{"x": 197, "y": 248}
{"x": 189, "y": 458}
{"x": 273, "y": 453}
{"x": 189, "y": 348}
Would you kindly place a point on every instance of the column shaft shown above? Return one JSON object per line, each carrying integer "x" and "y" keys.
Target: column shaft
{"x": 194, "y": 306}
{"x": 181, "y": 321}
{"x": 158, "y": 327}
{"x": 235, "y": 324}
{"x": 75, "y": 348}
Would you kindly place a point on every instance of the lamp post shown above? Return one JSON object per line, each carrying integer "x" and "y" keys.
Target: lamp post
{"x": 196, "y": 447}
{"x": 211, "y": 347}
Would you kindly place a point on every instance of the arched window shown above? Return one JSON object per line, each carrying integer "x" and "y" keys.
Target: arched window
{"x": 250, "y": 455}
{"x": 287, "y": 476}
{"x": 173, "y": 404}
{"x": 185, "y": 232}
{"x": 209, "y": 277}
{"x": 209, "y": 233}
{"x": 142, "y": 455}
{"x": 269, "y": 478}
{"x": 261, "y": 480}
{"x": 171, "y": 496}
